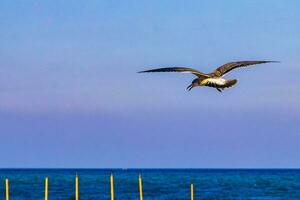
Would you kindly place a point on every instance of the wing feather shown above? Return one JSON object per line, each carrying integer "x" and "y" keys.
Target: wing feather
{"x": 178, "y": 69}
{"x": 233, "y": 65}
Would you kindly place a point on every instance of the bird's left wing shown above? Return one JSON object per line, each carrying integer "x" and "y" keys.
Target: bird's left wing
{"x": 233, "y": 65}
{"x": 178, "y": 69}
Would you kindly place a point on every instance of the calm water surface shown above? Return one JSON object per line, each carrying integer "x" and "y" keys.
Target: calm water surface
{"x": 157, "y": 184}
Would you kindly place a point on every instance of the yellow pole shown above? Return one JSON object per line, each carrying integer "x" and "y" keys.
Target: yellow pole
{"x": 46, "y": 188}
{"x": 112, "y": 187}
{"x": 141, "y": 187}
{"x": 7, "y": 189}
{"x": 76, "y": 188}
{"x": 192, "y": 191}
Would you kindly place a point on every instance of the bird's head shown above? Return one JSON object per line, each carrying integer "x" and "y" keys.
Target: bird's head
{"x": 195, "y": 83}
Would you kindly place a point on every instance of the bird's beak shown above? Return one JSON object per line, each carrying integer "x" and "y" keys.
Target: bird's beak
{"x": 190, "y": 87}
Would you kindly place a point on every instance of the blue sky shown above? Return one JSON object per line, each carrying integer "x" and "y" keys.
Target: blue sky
{"x": 70, "y": 95}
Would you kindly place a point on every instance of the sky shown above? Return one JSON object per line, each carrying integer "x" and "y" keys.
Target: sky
{"x": 70, "y": 95}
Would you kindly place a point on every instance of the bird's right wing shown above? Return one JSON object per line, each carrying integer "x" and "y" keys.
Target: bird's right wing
{"x": 178, "y": 69}
{"x": 233, "y": 65}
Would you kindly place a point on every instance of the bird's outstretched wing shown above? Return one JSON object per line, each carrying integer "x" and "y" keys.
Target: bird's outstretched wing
{"x": 233, "y": 65}
{"x": 178, "y": 69}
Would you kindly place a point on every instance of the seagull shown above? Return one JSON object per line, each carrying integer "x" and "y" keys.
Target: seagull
{"x": 214, "y": 79}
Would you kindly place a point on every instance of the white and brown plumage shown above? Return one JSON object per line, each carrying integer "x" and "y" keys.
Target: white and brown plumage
{"x": 214, "y": 79}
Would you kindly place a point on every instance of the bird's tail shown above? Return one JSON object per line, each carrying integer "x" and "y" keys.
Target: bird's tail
{"x": 230, "y": 83}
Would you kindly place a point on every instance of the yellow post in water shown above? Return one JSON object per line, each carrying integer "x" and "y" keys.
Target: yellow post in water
{"x": 192, "y": 191}
{"x": 112, "y": 197}
{"x": 141, "y": 187}
{"x": 46, "y": 188}
{"x": 76, "y": 188}
{"x": 6, "y": 189}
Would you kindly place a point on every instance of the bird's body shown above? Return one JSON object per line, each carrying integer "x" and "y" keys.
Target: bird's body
{"x": 215, "y": 82}
{"x": 214, "y": 79}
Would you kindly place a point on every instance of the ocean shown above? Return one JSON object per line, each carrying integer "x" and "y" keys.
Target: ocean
{"x": 160, "y": 184}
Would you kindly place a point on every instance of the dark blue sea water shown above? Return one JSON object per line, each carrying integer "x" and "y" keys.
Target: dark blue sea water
{"x": 158, "y": 184}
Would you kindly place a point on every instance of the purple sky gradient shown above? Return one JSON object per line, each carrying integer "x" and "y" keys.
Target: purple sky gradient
{"x": 70, "y": 95}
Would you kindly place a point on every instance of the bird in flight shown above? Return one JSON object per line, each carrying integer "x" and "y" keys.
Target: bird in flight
{"x": 214, "y": 79}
